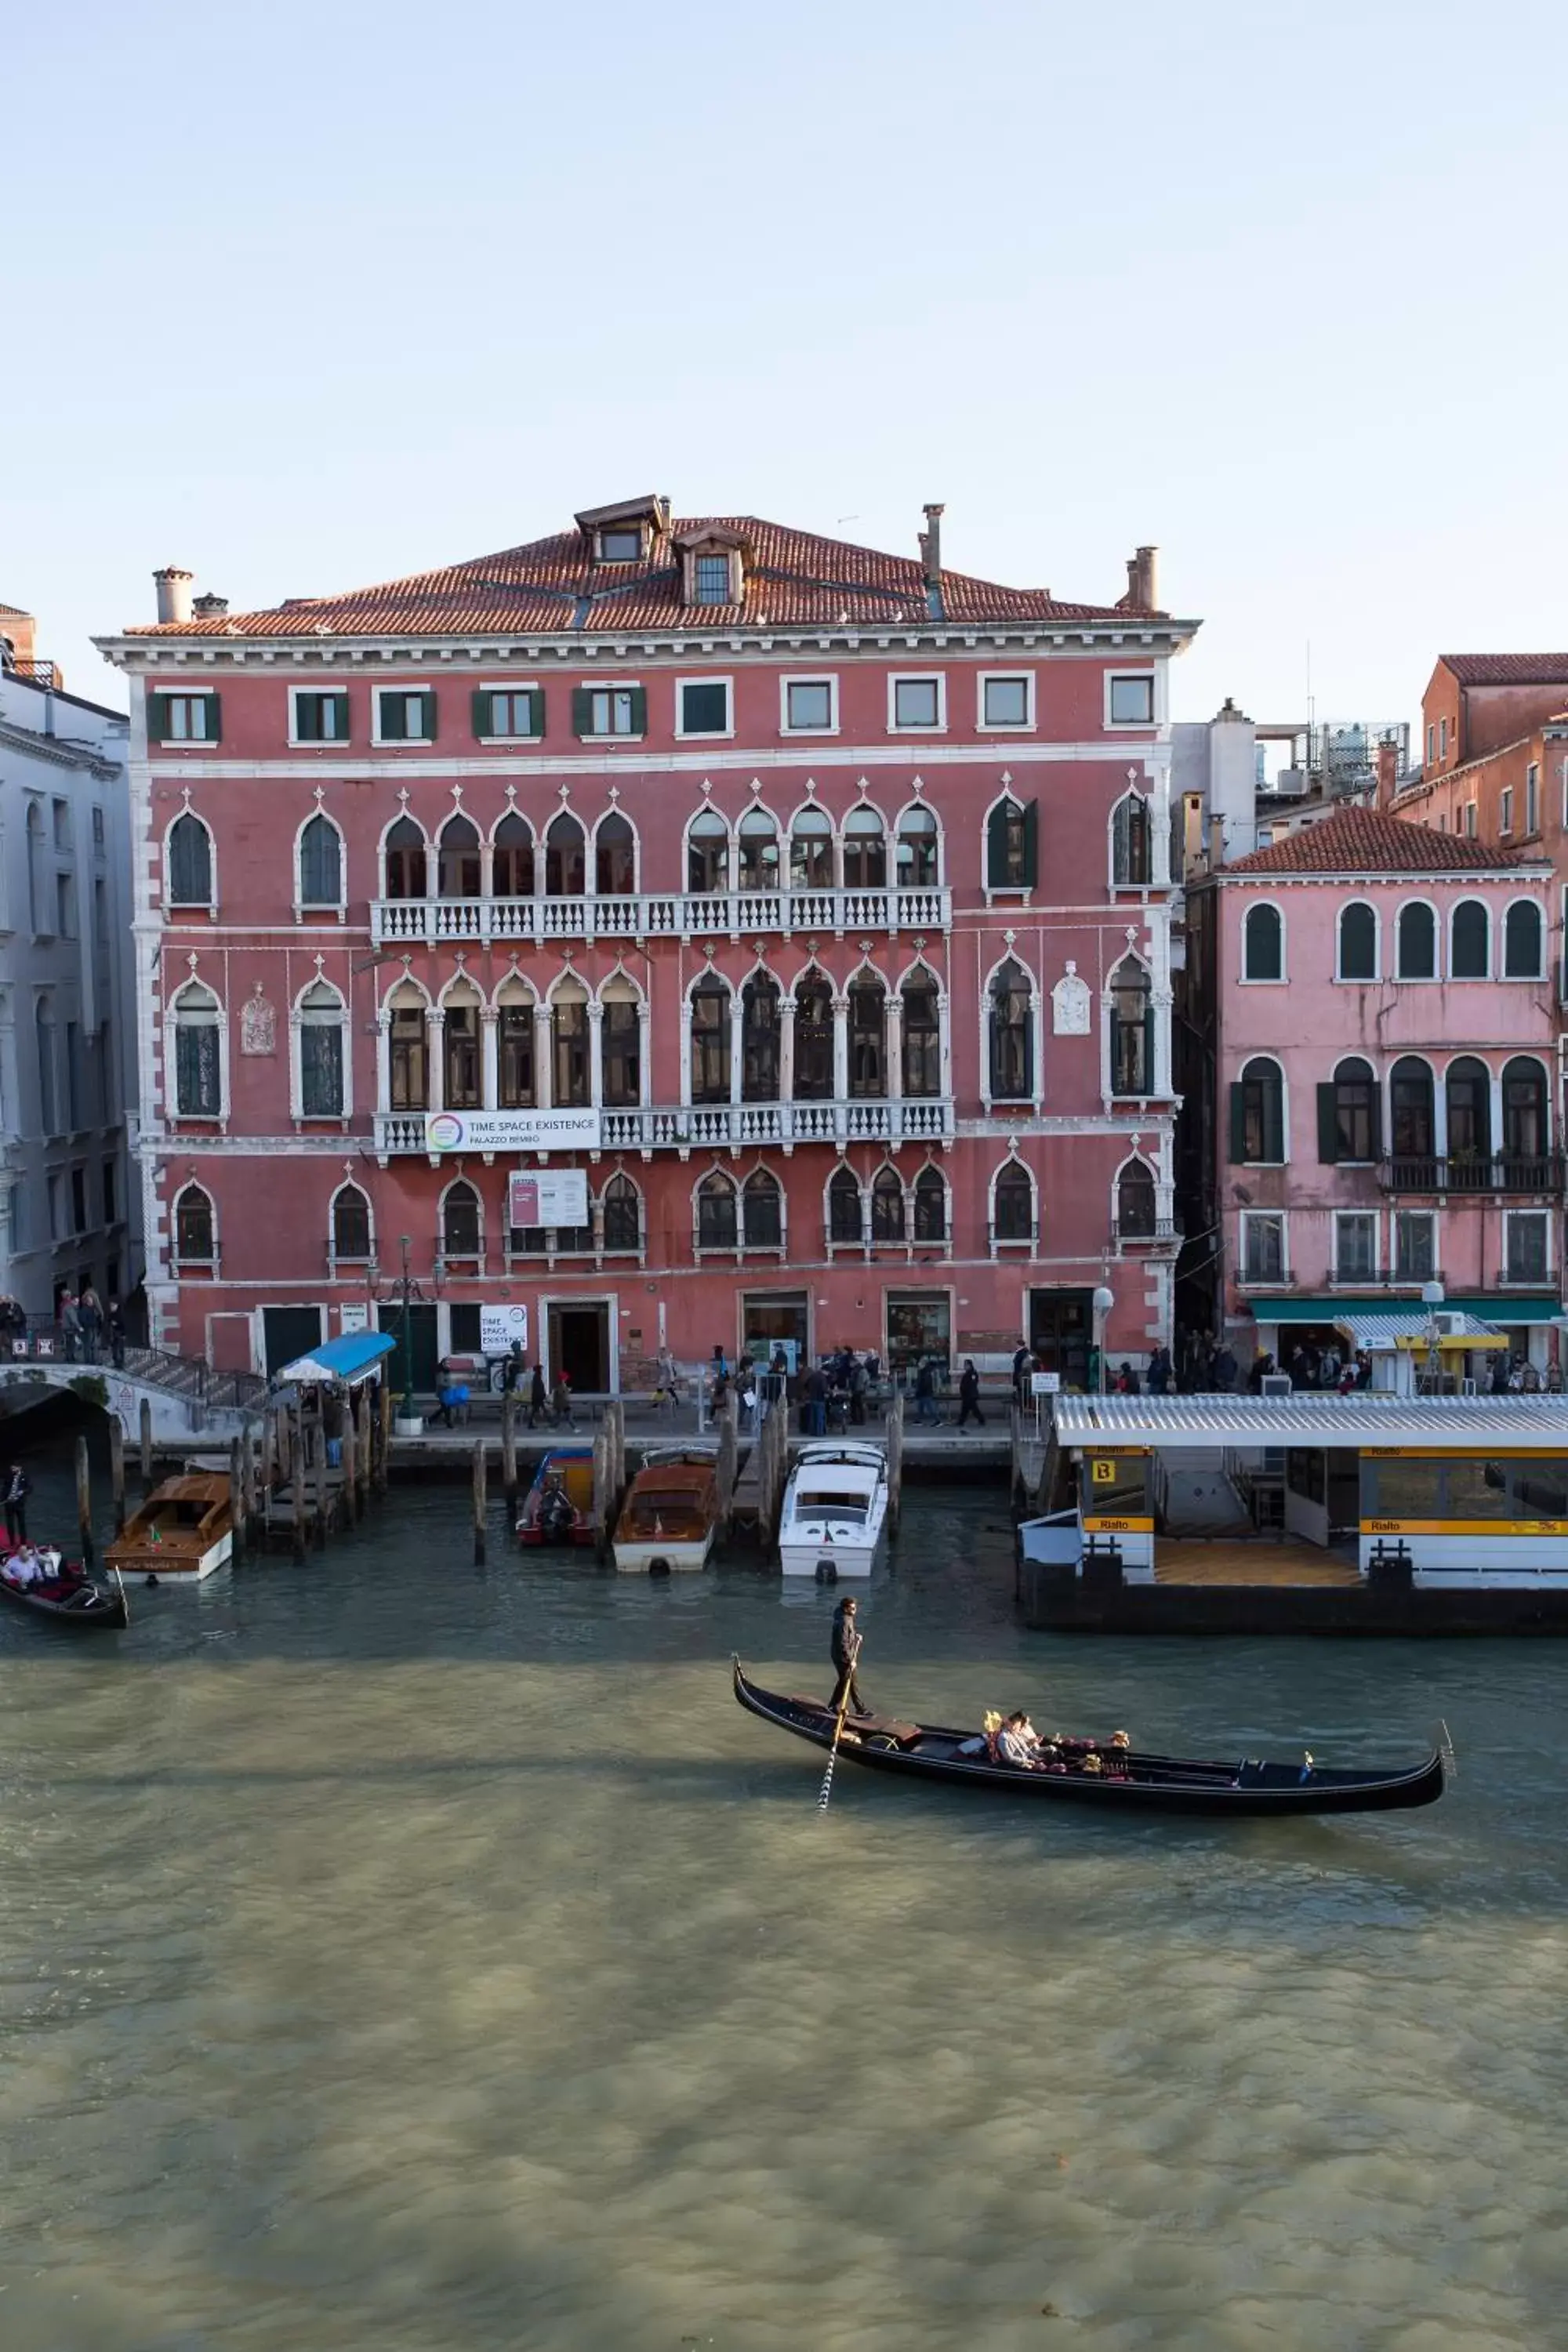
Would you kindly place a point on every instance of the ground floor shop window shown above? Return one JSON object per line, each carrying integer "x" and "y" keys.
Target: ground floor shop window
{"x": 772, "y": 1320}
{"x": 920, "y": 1329}
{"x": 1061, "y": 1333}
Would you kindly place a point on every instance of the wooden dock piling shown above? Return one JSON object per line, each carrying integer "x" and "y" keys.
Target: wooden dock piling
{"x": 351, "y": 1466}
{"x": 296, "y": 1451}
{"x": 383, "y": 1423}
{"x": 508, "y": 1453}
{"x": 117, "y": 1470}
{"x": 480, "y": 1509}
{"x": 895, "y": 1463}
{"x": 84, "y": 1501}
{"x": 728, "y": 1454}
{"x": 146, "y": 1429}
{"x": 236, "y": 1496}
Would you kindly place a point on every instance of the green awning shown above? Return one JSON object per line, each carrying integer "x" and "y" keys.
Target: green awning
{"x": 1491, "y": 1306}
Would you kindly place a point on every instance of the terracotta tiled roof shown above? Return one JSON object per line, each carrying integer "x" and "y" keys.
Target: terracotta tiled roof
{"x": 1365, "y": 841}
{"x": 794, "y": 580}
{"x": 1508, "y": 669}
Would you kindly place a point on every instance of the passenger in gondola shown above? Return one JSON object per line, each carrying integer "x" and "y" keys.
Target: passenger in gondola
{"x": 24, "y": 1567}
{"x": 1017, "y": 1742}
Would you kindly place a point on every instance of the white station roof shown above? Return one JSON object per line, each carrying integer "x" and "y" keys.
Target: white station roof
{"x": 1170, "y": 1423}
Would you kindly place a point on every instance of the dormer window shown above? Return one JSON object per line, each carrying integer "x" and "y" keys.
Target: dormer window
{"x": 712, "y": 565}
{"x": 712, "y": 583}
{"x": 621, "y": 543}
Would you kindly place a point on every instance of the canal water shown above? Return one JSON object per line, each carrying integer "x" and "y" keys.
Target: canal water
{"x": 395, "y": 1953}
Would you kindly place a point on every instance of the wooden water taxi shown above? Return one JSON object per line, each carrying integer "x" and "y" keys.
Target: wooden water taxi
{"x": 181, "y": 1534}
{"x": 670, "y": 1515}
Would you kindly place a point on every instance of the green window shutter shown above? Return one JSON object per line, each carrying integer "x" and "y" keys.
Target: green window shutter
{"x": 639, "y": 710}
{"x": 1238, "y": 1121}
{"x": 157, "y": 717}
{"x": 390, "y": 709}
{"x": 582, "y": 710}
{"x": 1031, "y": 842}
{"x": 1328, "y": 1124}
{"x": 1274, "y": 1125}
{"x": 484, "y": 711}
{"x": 341, "y": 721}
{"x": 997, "y": 847}
{"x": 215, "y": 718}
{"x": 536, "y": 710}
{"x": 429, "y": 701}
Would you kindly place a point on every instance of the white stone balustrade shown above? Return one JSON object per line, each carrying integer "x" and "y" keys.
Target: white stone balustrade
{"x": 734, "y": 914}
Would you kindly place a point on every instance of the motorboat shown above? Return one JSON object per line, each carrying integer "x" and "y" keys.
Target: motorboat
{"x": 835, "y": 1509}
{"x": 558, "y": 1508}
{"x": 181, "y": 1534}
{"x": 670, "y": 1515}
{"x": 64, "y": 1592}
{"x": 1101, "y": 1772}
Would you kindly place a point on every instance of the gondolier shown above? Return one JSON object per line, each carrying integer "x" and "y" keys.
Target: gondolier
{"x": 845, "y": 1652}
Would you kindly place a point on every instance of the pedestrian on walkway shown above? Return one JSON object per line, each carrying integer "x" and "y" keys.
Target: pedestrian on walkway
{"x": 925, "y": 1392}
{"x": 537, "y": 1399}
{"x": 969, "y": 1395}
{"x": 89, "y": 1312}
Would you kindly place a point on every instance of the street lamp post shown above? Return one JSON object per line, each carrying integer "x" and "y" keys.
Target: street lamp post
{"x": 404, "y": 1244}
{"x": 1431, "y": 1298}
{"x": 1104, "y": 1300}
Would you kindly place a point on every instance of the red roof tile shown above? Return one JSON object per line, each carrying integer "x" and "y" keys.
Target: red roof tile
{"x": 794, "y": 580}
{"x": 1508, "y": 669}
{"x": 1366, "y": 841}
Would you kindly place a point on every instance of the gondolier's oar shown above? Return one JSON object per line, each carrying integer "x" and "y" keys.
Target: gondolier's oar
{"x": 837, "y": 1728}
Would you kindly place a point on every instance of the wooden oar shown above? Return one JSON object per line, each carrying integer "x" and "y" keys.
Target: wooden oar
{"x": 833, "y": 1751}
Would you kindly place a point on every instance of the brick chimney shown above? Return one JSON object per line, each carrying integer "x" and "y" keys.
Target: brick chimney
{"x": 1143, "y": 581}
{"x": 18, "y": 632}
{"x": 173, "y": 587}
{"x": 931, "y": 546}
{"x": 1387, "y": 772}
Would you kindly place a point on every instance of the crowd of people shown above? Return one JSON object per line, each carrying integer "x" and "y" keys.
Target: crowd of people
{"x": 83, "y": 1325}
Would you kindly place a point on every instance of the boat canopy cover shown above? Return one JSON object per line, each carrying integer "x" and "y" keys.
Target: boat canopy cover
{"x": 347, "y": 1361}
{"x": 1378, "y": 1332}
{"x": 1167, "y": 1424}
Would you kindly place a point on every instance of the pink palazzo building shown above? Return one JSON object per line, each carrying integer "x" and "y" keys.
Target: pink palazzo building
{"x": 794, "y": 918}
{"x": 1385, "y": 1110}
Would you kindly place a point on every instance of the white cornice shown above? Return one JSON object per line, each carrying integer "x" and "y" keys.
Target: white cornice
{"x": 805, "y": 758}
{"x": 58, "y": 752}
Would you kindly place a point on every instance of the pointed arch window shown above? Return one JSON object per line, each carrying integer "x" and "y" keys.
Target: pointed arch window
{"x": 1132, "y": 1030}
{"x": 811, "y": 851}
{"x": 922, "y": 1036}
{"x": 1012, "y": 1041}
{"x": 711, "y": 1041}
{"x": 320, "y": 863}
{"x": 194, "y": 1227}
{"x": 1135, "y": 1216}
{"x": 511, "y": 858}
{"x": 351, "y": 1224}
{"x": 716, "y": 1217}
{"x": 930, "y": 1206}
{"x": 887, "y": 1206}
{"x": 1468, "y": 1086}
{"x": 408, "y": 1051}
{"x": 620, "y": 1044}
{"x": 759, "y": 839}
{"x": 1131, "y": 862}
{"x": 190, "y": 861}
{"x": 813, "y": 1040}
{"x": 1012, "y": 1203}
{"x": 404, "y": 856}
{"x": 707, "y": 853}
{"x": 842, "y": 1206}
{"x": 198, "y": 1090}
{"x": 569, "y": 1029}
{"x": 1011, "y": 845}
{"x": 918, "y": 847}
{"x": 761, "y": 1208}
{"x": 614, "y": 857}
{"x": 461, "y": 1221}
{"x": 759, "y": 1034}
{"x": 864, "y": 851}
{"x": 622, "y": 1214}
{"x": 514, "y": 1053}
{"x": 867, "y": 1038}
{"x": 458, "y": 871}
{"x": 565, "y": 862}
{"x": 460, "y": 1052}
{"x": 321, "y": 1052}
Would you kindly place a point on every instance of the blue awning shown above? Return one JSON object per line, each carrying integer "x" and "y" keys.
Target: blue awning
{"x": 347, "y": 1361}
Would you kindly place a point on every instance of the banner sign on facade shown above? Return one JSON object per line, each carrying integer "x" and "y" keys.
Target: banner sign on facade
{"x": 353, "y": 1318}
{"x": 499, "y": 1326}
{"x": 547, "y": 1196}
{"x": 512, "y": 1130}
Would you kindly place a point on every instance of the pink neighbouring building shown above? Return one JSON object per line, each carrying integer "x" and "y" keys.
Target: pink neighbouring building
{"x": 1384, "y": 1117}
{"x": 806, "y": 909}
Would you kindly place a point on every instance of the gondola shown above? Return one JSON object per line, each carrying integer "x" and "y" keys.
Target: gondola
{"x": 82, "y": 1607}
{"x": 1119, "y": 1781}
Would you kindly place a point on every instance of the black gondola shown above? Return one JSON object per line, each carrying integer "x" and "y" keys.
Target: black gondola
{"x": 81, "y": 1605}
{"x": 1119, "y": 1779}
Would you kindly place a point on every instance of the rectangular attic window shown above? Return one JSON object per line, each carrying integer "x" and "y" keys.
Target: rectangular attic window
{"x": 619, "y": 543}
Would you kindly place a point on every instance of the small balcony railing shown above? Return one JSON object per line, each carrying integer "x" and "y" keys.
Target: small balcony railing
{"x": 728, "y": 1127}
{"x": 1504, "y": 1172}
{"x": 685, "y": 915}
{"x": 1147, "y": 1232}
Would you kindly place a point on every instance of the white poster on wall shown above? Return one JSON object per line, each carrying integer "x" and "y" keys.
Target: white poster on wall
{"x": 499, "y": 1326}
{"x": 547, "y": 1196}
{"x": 353, "y": 1318}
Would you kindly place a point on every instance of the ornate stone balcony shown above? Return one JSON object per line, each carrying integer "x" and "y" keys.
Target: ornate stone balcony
{"x": 728, "y": 1127}
{"x": 683, "y": 914}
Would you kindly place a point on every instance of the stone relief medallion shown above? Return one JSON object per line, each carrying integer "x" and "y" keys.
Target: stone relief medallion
{"x": 257, "y": 1024}
{"x": 1069, "y": 1004}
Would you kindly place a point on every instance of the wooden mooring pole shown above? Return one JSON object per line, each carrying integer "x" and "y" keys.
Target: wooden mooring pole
{"x": 350, "y": 1465}
{"x": 117, "y": 1470}
{"x": 236, "y": 1496}
{"x": 729, "y": 1456}
{"x": 384, "y": 1449}
{"x": 895, "y": 1463}
{"x": 479, "y": 1507}
{"x": 509, "y": 1454}
{"x": 84, "y": 1501}
{"x": 146, "y": 1429}
{"x": 292, "y": 1423}
{"x": 363, "y": 1445}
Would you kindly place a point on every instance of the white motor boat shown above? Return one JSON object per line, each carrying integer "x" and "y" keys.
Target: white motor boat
{"x": 835, "y": 1509}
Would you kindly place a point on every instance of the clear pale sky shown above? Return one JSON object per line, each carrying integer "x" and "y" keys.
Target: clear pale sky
{"x": 304, "y": 297}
